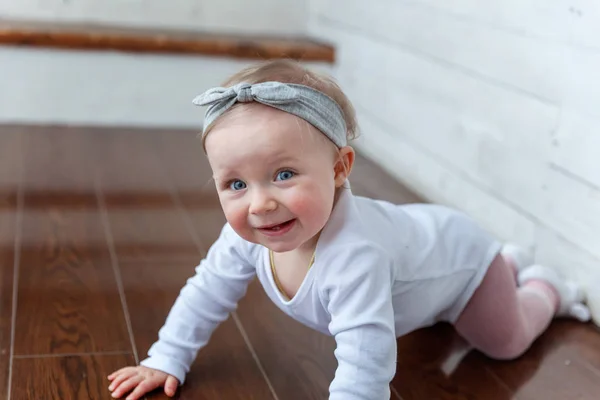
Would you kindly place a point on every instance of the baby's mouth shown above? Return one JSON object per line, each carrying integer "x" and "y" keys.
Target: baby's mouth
{"x": 277, "y": 227}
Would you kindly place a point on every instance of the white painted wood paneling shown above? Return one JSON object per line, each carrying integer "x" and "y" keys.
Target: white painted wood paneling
{"x": 582, "y": 81}
{"x": 547, "y": 19}
{"x": 576, "y": 146}
{"x": 104, "y": 88}
{"x": 586, "y": 29}
{"x": 503, "y": 57}
{"x": 488, "y": 132}
{"x": 572, "y": 209}
{"x": 280, "y": 17}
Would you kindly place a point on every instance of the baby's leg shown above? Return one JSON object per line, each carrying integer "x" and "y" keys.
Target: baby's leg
{"x": 502, "y": 320}
{"x": 516, "y": 258}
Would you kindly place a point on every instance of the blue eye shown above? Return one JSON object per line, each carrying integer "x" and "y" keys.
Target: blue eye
{"x": 237, "y": 185}
{"x": 284, "y": 175}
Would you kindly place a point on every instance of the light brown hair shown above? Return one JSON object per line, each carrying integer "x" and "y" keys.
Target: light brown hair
{"x": 289, "y": 71}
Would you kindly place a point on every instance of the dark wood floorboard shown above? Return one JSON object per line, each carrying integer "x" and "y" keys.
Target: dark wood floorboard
{"x": 65, "y": 378}
{"x": 225, "y": 369}
{"x": 10, "y": 169}
{"x": 559, "y": 365}
{"x": 189, "y": 172}
{"x": 382, "y": 187}
{"x": 433, "y": 363}
{"x": 183, "y": 158}
{"x": 149, "y": 228}
{"x": 150, "y": 191}
{"x": 68, "y": 300}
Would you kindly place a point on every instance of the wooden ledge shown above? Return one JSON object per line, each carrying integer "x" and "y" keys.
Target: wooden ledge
{"x": 96, "y": 37}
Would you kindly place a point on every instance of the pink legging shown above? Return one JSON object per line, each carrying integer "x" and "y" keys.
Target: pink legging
{"x": 502, "y": 320}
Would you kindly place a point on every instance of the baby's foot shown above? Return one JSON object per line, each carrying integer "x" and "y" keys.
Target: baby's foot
{"x": 516, "y": 257}
{"x": 571, "y": 295}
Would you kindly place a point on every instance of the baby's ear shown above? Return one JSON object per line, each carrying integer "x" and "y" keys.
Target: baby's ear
{"x": 343, "y": 165}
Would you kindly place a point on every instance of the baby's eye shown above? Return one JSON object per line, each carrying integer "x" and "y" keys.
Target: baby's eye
{"x": 237, "y": 185}
{"x": 283, "y": 175}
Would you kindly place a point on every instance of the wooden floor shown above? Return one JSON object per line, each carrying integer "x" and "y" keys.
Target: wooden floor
{"x": 99, "y": 229}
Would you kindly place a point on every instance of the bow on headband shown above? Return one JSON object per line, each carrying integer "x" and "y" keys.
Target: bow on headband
{"x": 305, "y": 102}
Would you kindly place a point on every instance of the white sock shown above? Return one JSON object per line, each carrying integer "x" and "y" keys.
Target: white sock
{"x": 518, "y": 255}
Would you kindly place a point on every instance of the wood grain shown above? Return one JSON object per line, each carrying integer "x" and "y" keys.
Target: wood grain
{"x": 68, "y": 300}
{"x": 578, "y": 339}
{"x": 432, "y": 364}
{"x": 128, "y": 166}
{"x": 367, "y": 179}
{"x": 10, "y": 166}
{"x": 117, "y": 38}
{"x": 558, "y": 366}
{"x": 189, "y": 172}
{"x": 184, "y": 160}
{"x": 65, "y": 378}
{"x": 224, "y": 369}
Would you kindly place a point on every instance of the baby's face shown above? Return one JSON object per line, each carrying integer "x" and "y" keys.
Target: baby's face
{"x": 275, "y": 175}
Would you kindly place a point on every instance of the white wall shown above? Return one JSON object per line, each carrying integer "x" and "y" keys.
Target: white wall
{"x": 492, "y": 107}
{"x": 114, "y": 88}
{"x": 106, "y": 88}
{"x": 283, "y": 17}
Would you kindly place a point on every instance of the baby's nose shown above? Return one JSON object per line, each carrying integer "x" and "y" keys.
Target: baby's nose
{"x": 262, "y": 203}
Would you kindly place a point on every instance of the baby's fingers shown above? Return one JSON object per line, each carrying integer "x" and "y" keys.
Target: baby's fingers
{"x": 171, "y": 386}
{"x": 144, "y": 387}
{"x": 126, "y": 386}
{"x": 119, "y": 372}
{"x": 121, "y": 376}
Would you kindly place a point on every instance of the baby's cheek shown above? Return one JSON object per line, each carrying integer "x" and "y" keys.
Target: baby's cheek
{"x": 309, "y": 207}
{"x": 241, "y": 227}
{"x": 236, "y": 219}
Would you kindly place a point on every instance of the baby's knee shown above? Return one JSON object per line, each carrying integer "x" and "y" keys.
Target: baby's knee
{"x": 507, "y": 350}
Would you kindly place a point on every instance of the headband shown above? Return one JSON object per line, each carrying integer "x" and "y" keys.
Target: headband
{"x": 305, "y": 102}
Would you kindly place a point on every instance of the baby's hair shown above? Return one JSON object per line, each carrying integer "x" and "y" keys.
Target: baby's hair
{"x": 289, "y": 71}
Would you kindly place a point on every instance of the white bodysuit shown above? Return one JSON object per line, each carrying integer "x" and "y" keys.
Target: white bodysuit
{"x": 380, "y": 271}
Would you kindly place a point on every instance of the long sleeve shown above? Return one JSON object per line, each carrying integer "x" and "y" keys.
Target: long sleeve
{"x": 357, "y": 294}
{"x": 205, "y": 301}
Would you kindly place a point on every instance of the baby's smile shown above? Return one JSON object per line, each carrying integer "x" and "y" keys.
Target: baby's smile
{"x": 277, "y": 229}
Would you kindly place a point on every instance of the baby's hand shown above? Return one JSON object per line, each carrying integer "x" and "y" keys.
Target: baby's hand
{"x": 143, "y": 379}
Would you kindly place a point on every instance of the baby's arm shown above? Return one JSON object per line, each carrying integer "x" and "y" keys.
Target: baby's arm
{"x": 205, "y": 301}
{"x": 362, "y": 322}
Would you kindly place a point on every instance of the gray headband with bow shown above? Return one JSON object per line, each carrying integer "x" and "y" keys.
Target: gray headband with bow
{"x": 305, "y": 102}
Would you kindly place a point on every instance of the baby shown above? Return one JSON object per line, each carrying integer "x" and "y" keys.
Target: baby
{"x": 365, "y": 271}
